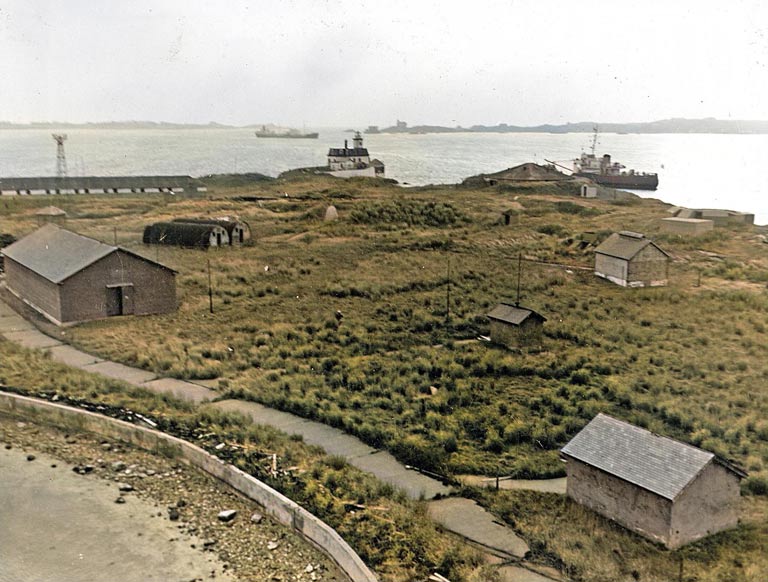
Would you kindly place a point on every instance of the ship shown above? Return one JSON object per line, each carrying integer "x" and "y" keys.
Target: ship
{"x": 609, "y": 173}
{"x": 290, "y": 133}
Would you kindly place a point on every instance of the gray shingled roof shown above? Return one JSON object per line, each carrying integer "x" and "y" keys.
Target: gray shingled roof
{"x": 56, "y": 253}
{"x": 624, "y": 245}
{"x": 658, "y": 464}
{"x": 513, "y": 314}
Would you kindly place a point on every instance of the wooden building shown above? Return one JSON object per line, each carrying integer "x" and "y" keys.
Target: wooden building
{"x": 238, "y": 231}
{"x": 69, "y": 278}
{"x": 631, "y": 260}
{"x": 185, "y": 234}
{"x": 515, "y": 326}
{"x": 665, "y": 490}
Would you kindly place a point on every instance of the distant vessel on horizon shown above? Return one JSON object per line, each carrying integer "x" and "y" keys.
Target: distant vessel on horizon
{"x": 604, "y": 171}
{"x": 289, "y": 133}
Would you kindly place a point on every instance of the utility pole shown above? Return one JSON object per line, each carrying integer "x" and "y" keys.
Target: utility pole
{"x": 61, "y": 159}
{"x": 210, "y": 288}
{"x": 519, "y": 266}
{"x": 448, "y": 294}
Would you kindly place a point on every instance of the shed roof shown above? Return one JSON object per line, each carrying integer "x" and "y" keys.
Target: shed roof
{"x": 625, "y": 245}
{"x": 513, "y": 314}
{"x": 56, "y": 253}
{"x": 50, "y": 211}
{"x": 656, "y": 463}
{"x": 181, "y": 233}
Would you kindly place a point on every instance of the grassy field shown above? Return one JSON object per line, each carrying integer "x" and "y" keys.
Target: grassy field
{"x": 412, "y": 273}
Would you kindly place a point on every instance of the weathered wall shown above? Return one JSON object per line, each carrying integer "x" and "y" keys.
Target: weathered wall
{"x": 648, "y": 268}
{"x": 633, "y": 507}
{"x": 611, "y": 268}
{"x": 686, "y": 226}
{"x": 527, "y": 334}
{"x": 38, "y": 291}
{"x": 707, "y": 505}
{"x": 84, "y": 295}
{"x": 274, "y": 503}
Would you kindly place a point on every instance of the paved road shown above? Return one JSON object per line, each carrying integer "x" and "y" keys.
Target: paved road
{"x": 460, "y": 516}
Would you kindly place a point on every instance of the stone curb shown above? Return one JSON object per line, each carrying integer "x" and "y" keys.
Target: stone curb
{"x": 275, "y": 504}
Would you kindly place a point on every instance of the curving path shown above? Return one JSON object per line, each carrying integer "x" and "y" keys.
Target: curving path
{"x": 460, "y": 516}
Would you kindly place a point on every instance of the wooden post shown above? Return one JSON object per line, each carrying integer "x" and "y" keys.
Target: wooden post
{"x": 448, "y": 294}
{"x": 210, "y": 288}
{"x": 115, "y": 236}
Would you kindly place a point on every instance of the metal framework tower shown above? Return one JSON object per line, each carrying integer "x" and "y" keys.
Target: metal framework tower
{"x": 61, "y": 159}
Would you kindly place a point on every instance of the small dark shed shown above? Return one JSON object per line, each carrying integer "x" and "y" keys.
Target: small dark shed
{"x": 184, "y": 234}
{"x": 515, "y": 326}
{"x": 68, "y": 277}
{"x": 665, "y": 490}
{"x": 631, "y": 260}
{"x": 238, "y": 231}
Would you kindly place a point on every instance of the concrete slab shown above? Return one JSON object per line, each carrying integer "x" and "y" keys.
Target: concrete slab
{"x": 32, "y": 339}
{"x": 519, "y": 574}
{"x": 284, "y": 421}
{"x": 390, "y": 470}
{"x": 542, "y": 485}
{"x": 14, "y": 323}
{"x": 72, "y": 357}
{"x": 120, "y": 372}
{"x": 181, "y": 389}
{"x": 467, "y": 519}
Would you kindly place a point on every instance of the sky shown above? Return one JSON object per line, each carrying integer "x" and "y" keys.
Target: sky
{"x": 319, "y": 64}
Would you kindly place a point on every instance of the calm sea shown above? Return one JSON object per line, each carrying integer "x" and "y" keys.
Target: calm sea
{"x": 703, "y": 171}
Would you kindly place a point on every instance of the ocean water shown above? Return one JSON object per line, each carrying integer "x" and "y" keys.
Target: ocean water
{"x": 695, "y": 170}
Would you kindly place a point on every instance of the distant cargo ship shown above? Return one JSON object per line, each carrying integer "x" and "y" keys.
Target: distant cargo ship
{"x": 290, "y": 133}
{"x": 604, "y": 171}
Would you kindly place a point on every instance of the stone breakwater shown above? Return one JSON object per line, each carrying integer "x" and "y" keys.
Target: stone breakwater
{"x": 109, "y": 510}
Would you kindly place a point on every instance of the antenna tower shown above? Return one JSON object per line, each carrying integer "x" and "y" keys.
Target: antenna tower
{"x": 61, "y": 159}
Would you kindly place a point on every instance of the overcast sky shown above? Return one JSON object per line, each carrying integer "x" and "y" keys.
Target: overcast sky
{"x": 318, "y": 63}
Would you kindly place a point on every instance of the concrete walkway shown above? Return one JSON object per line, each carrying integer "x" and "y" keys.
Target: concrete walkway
{"x": 540, "y": 485}
{"x": 457, "y": 515}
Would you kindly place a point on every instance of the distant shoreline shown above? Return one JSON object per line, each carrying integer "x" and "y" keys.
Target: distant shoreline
{"x": 676, "y": 125}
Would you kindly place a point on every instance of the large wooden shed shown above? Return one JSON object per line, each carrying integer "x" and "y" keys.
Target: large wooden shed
{"x": 515, "y": 326}
{"x": 665, "y": 490}
{"x": 68, "y": 277}
{"x": 631, "y": 260}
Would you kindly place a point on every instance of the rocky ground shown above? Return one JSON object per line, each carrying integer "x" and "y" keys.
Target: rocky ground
{"x": 208, "y": 515}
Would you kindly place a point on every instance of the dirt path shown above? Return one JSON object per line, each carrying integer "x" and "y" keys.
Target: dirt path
{"x": 541, "y": 485}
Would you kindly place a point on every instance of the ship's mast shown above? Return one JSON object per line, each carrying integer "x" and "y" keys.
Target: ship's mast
{"x": 594, "y": 140}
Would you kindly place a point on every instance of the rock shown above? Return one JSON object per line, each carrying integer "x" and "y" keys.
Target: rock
{"x": 88, "y": 469}
{"x": 118, "y": 466}
{"x": 125, "y": 487}
{"x": 209, "y": 543}
{"x": 106, "y": 446}
{"x": 151, "y": 472}
{"x": 31, "y": 457}
{"x": 120, "y": 499}
{"x": 227, "y": 515}
{"x": 309, "y": 569}
{"x": 181, "y": 503}
{"x": 9, "y": 446}
{"x": 173, "y": 514}
{"x": 220, "y": 446}
{"x": 256, "y": 517}
{"x": 272, "y": 546}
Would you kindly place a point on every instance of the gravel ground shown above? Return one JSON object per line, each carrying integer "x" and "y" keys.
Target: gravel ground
{"x": 163, "y": 494}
